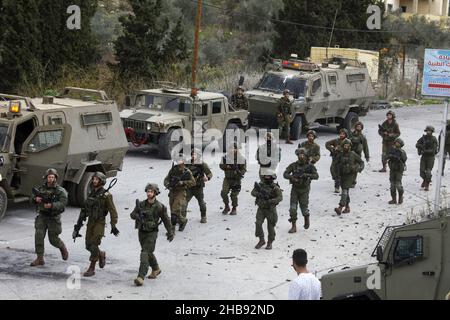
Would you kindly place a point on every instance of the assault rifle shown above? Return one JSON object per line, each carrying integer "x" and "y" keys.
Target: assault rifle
{"x": 175, "y": 180}
{"x": 262, "y": 193}
{"x": 46, "y": 197}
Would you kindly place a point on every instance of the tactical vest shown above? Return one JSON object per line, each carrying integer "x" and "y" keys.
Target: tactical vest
{"x": 347, "y": 164}
{"x": 356, "y": 140}
{"x": 198, "y": 173}
{"x": 150, "y": 216}
{"x": 49, "y": 193}
{"x": 95, "y": 205}
{"x": 268, "y": 189}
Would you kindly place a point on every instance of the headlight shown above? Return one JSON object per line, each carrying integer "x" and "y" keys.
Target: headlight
{"x": 149, "y": 126}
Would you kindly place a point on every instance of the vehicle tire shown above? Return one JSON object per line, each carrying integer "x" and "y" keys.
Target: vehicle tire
{"x": 83, "y": 188}
{"x": 223, "y": 143}
{"x": 72, "y": 193}
{"x": 3, "y": 202}
{"x": 166, "y": 145}
{"x": 296, "y": 128}
{"x": 350, "y": 120}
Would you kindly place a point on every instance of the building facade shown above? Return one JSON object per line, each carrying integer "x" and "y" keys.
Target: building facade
{"x": 430, "y": 8}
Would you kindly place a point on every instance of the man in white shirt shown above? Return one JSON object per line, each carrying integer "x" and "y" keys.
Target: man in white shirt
{"x": 306, "y": 286}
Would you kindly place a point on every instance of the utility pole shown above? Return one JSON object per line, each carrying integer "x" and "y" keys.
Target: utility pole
{"x": 437, "y": 195}
{"x": 198, "y": 22}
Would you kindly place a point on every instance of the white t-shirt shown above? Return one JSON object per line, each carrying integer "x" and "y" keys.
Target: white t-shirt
{"x": 305, "y": 287}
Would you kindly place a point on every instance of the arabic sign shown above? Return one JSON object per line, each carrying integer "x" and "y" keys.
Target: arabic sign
{"x": 436, "y": 73}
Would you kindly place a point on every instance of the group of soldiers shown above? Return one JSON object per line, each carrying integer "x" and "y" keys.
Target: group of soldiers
{"x": 187, "y": 179}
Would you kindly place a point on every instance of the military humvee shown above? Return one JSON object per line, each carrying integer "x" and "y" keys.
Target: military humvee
{"x": 76, "y": 133}
{"x": 152, "y": 116}
{"x": 333, "y": 94}
{"x": 413, "y": 263}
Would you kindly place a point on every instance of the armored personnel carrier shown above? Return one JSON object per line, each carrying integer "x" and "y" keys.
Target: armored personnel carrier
{"x": 336, "y": 93}
{"x": 152, "y": 116}
{"x": 77, "y": 133}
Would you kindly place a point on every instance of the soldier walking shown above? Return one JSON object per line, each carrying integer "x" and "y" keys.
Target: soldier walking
{"x": 335, "y": 147}
{"x": 312, "y": 148}
{"x": 397, "y": 165}
{"x": 178, "y": 180}
{"x": 234, "y": 166}
{"x": 268, "y": 195}
{"x": 201, "y": 172}
{"x": 300, "y": 174}
{"x": 348, "y": 164}
{"x": 285, "y": 115}
{"x": 51, "y": 201}
{"x": 447, "y": 144}
{"x": 389, "y": 131}
{"x": 427, "y": 148}
{"x": 268, "y": 155}
{"x": 238, "y": 100}
{"x": 148, "y": 214}
{"x": 359, "y": 143}
{"x": 97, "y": 206}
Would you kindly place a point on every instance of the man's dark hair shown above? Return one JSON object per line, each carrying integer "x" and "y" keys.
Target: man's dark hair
{"x": 300, "y": 257}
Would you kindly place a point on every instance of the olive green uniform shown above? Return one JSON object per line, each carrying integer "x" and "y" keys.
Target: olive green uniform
{"x": 393, "y": 132}
{"x": 267, "y": 200}
{"x": 97, "y": 206}
{"x": 447, "y": 146}
{"x": 199, "y": 171}
{"x": 300, "y": 175}
{"x": 359, "y": 145}
{"x": 285, "y": 116}
{"x": 234, "y": 170}
{"x": 397, "y": 165}
{"x": 427, "y": 147}
{"x": 338, "y": 144}
{"x": 177, "y": 193}
{"x": 49, "y": 219}
{"x": 348, "y": 164}
{"x": 148, "y": 231}
{"x": 239, "y": 102}
{"x": 312, "y": 150}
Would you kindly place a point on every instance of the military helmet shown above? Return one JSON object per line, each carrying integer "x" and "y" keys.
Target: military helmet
{"x": 49, "y": 172}
{"x": 312, "y": 132}
{"x": 429, "y": 128}
{"x": 392, "y": 113}
{"x": 286, "y": 91}
{"x": 152, "y": 186}
{"x": 269, "y": 173}
{"x": 400, "y": 141}
{"x": 300, "y": 151}
{"x": 359, "y": 123}
{"x": 346, "y": 141}
{"x": 345, "y": 131}
{"x": 101, "y": 177}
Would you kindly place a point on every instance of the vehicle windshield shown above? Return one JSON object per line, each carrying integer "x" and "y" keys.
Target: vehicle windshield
{"x": 278, "y": 83}
{"x": 166, "y": 104}
{"x": 3, "y": 135}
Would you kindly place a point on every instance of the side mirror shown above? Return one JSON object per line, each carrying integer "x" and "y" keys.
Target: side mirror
{"x": 379, "y": 254}
{"x": 128, "y": 101}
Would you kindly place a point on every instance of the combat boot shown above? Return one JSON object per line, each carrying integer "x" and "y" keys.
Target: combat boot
{"x": 38, "y": 262}
{"x": 102, "y": 259}
{"x": 306, "y": 225}
{"x": 400, "y": 197}
{"x": 203, "y": 220}
{"x": 154, "y": 273}
{"x": 423, "y": 184}
{"x": 384, "y": 167}
{"x": 139, "y": 281}
{"x": 336, "y": 188}
{"x": 260, "y": 243}
{"x": 394, "y": 198}
{"x": 347, "y": 209}
{"x": 427, "y": 186}
{"x": 293, "y": 228}
{"x": 64, "y": 252}
{"x": 269, "y": 245}
{"x": 226, "y": 209}
{"x": 233, "y": 212}
{"x": 338, "y": 210}
{"x": 288, "y": 141}
{"x": 91, "y": 270}
{"x": 182, "y": 225}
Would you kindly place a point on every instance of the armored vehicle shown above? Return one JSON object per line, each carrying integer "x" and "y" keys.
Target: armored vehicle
{"x": 333, "y": 94}
{"x": 77, "y": 133}
{"x": 153, "y": 116}
{"x": 413, "y": 263}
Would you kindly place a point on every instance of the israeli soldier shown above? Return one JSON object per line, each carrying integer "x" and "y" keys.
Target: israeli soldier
{"x": 285, "y": 115}
{"x": 96, "y": 208}
{"x": 238, "y": 100}
{"x": 268, "y": 195}
{"x": 178, "y": 180}
{"x": 312, "y": 148}
{"x": 348, "y": 163}
{"x": 234, "y": 166}
{"x": 397, "y": 165}
{"x": 148, "y": 214}
{"x": 268, "y": 155}
{"x": 335, "y": 147}
{"x": 447, "y": 144}
{"x": 359, "y": 143}
{"x": 389, "y": 131}
{"x": 202, "y": 174}
{"x": 51, "y": 201}
{"x": 427, "y": 148}
{"x": 300, "y": 174}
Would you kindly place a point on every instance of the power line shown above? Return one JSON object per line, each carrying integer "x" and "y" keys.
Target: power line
{"x": 296, "y": 23}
